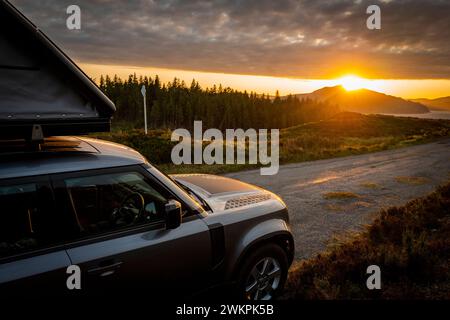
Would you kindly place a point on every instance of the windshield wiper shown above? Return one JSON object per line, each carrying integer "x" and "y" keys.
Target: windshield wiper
{"x": 197, "y": 198}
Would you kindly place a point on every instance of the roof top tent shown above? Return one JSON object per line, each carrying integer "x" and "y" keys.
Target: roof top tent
{"x": 42, "y": 91}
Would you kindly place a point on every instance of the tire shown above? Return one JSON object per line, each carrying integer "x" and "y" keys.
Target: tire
{"x": 255, "y": 283}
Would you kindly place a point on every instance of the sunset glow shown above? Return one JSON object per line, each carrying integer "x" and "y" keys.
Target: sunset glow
{"x": 405, "y": 88}
{"x": 352, "y": 82}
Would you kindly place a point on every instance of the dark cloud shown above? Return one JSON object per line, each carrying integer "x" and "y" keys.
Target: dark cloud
{"x": 303, "y": 38}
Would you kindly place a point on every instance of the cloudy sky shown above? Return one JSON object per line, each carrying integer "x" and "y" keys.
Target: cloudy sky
{"x": 270, "y": 40}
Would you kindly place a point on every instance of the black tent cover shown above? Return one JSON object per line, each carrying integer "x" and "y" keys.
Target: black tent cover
{"x": 40, "y": 85}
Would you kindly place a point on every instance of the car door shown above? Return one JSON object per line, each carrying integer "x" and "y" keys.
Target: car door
{"x": 32, "y": 257}
{"x": 122, "y": 242}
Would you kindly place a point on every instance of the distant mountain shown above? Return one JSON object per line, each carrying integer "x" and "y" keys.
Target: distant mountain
{"x": 435, "y": 104}
{"x": 365, "y": 101}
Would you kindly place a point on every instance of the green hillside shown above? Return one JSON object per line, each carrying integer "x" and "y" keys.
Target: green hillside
{"x": 343, "y": 134}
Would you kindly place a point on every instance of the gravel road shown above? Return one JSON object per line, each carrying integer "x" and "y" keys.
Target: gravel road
{"x": 369, "y": 182}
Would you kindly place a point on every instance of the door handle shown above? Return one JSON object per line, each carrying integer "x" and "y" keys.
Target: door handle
{"x": 107, "y": 270}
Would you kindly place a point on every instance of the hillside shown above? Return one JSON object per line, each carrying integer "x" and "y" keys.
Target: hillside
{"x": 441, "y": 104}
{"x": 344, "y": 134}
{"x": 365, "y": 101}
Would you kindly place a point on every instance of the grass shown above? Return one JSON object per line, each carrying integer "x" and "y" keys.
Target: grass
{"x": 347, "y": 207}
{"x": 371, "y": 185}
{"x": 351, "y": 133}
{"x": 413, "y": 181}
{"x": 410, "y": 244}
{"x": 342, "y": 135}
{"x": 340, "y": 195}
{"x": 334, "y": 207}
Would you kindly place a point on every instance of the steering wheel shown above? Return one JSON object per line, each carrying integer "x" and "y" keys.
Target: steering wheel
{"x": 129, "y": 209}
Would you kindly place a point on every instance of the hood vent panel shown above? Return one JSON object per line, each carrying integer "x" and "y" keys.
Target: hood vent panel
{"x": 246, "y": 200}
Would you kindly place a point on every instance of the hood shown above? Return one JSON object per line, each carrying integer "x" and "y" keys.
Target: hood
{"x": 222, "y": 193}
{"x": 40, "y": 85}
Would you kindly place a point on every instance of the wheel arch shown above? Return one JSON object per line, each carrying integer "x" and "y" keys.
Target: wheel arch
{"x": 282, "y": 238}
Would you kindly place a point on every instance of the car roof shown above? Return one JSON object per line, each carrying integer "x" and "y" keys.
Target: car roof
{"x": 63, "y": 154}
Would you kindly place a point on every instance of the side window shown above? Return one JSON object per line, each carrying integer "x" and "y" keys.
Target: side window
{"x": 108, "y": 202}
{"x": 26, "y": 218}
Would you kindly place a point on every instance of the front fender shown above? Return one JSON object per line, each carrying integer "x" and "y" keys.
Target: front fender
{"x": 274, "y": 229}
{"x": 265, "y": 229}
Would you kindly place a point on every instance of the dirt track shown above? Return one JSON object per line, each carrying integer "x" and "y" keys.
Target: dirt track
{"x": 370, "y": 181}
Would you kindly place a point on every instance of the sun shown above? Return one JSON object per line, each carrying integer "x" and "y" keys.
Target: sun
{"x": 351, "y": 82}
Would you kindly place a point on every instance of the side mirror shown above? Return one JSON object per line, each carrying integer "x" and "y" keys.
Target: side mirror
{"x": 173, "y": 214}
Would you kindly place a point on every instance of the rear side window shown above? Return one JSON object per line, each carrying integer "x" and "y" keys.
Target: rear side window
{"x": 26, "y": 218}
{"x": 106, "y": 202}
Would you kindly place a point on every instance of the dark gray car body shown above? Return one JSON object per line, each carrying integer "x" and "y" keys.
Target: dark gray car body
{"x": 206, "y": 250}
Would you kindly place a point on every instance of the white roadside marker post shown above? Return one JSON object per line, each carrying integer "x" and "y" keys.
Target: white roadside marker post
{"x": 145, "y": 107}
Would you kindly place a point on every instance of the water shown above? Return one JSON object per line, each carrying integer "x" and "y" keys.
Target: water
{"x": 430, "y": 115}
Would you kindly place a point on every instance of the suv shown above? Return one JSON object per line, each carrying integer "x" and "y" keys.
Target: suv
{"x": 102, "y": 207}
